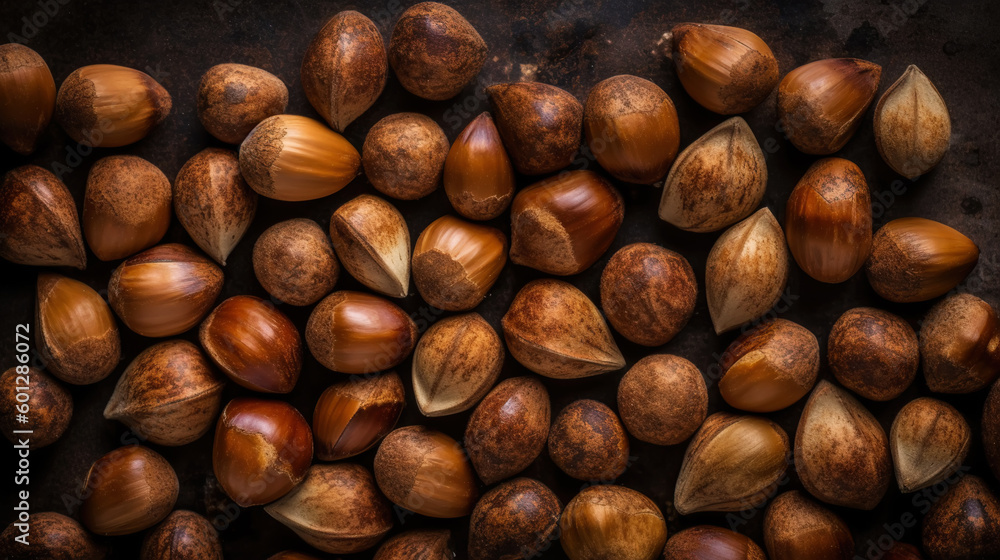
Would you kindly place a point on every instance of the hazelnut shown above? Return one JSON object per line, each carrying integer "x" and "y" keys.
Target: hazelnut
{"x": 50, "y": 404}
{"x": 432, "y": 544}
{"x": 588, "y": 442}
{"x": 38, "y": 221}
{"x": 912, "y": 125}
{"x": 662, "y": 399}
{"x": 127, "y": 490}
{"x": 964, "y": 523}
{"x": 712, "y": 543}
{"x": 873, "y": 353}
{"x": 796, "y": 527}
{"x": 608, "y": 521}
{"x": 478, "y": 176}
{"x": 183, "y": 534}
{"x": 29, "y": 95}
{"x": 234, "y": 98}
{"x": 960, "y": 345}
{"x": 294, "y": 261}
{"x": 540, "y": 124}
{"x": 353, "y": 415}
{"x": 373, "y": 243}
{"x": 455, "y": 263}
{"x": 517, "y": 519}
{"x": 53, "y": 536}
{"x": 404, "y": 155}
{"x": 929, "y": 441}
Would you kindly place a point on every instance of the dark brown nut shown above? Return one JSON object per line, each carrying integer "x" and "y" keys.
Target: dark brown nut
{"x": 127, "y": 490}
{"x": 964, "y": 523}
{"x": 432, "y": 544}
{"x": 52, "y": 536}
{"x": 353, "y": 415}
{"x": 662, "y": 399}
{"x": 588, "y": 442}
{"x": 234, "y": 98}
{"x": 707, "y": 542}
{"x": 508, "y": 429}
{"x": 873, "y": 353}
{"x": 183, "y": 535}
{"x": 49, "y": 404}
{"x": 294, "y": 261}
{"x": 38, "y": 221}
{"x": 540, "y": 125}
{"x": 435, "y": 51}
{"x": 517, "y": 519}
{"x": 608, "y": 521}
{"x": 29, "y": 95}
{"x": 796, "y": 527}
{"x": 960, "y": 345}
{"x": 404, "y": 155}
{"x": 648, "y": 293}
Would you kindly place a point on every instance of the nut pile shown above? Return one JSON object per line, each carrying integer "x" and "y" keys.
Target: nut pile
{"x": 297, "y": 464}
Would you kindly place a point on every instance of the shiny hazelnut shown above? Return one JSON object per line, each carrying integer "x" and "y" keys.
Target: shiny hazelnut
{"x": 648, "y": 293}
{"x": 373, "y": 243}
{"x": 964, "y": 523}
{"x": 478, "y": 176}
{"x": 404, "y": 155}
{"x": 540, "y": 124}
{"x": 29, "y": 95}
{"x": 183, "y": 535}
{"x": 38, "y": 221}
{"x": 52, "y": 536}
{"x": 873, "y": 353}
{"x": 168, "y": 395}
{"x": 455, "y": 263}
{"x": 608, "y": 521}
{"x": 353, "y": 415}
{"x": 233, "y": 98}
{"x": 127, "y": 490}
{"x": 294, "y": 261}
{"x": 960, "y": 345}
{"x": 429, "y": 544}
{"x": 929, "y": 441}
{"x": 262, "y": 450}
{"x": 662, "y": 399}
{"x": 517, "y": 519}
{"x": 797, "y": 527}
{"x": 50, "y": 406}
{"x": 165, "y": 290}
{"x": 707, "y": 542}
{"x": 588, "y": 442}
{"x": 912, "y": 125}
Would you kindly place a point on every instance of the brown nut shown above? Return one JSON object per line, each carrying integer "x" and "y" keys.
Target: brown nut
{"x": 912, "y": 125}
{"x": 50, "y": 406}
{"x": 53, "y": 536}
{"x": 434, "y": 51}
{"x": 127, "y": 490}
{"x": 903, "y": 551}
{"x": 455, "y": 263}
{"x": 707, "y": 542}
{"x": 964, "y": 523}
{"x": 929, "y": 441}
{"x": 478, "y": 176}
{"x": 873, "y": 353}
{"x": 509, "y": 428}
{"x": 404, "y": 155}
{"x": 662, "y": 399}
{"x": 294, "y": 261}
{"x": 540, "y": 125}
{"x": 353, "y": 415}
{"x": 588, "y": 442}
{"x": 38, "y": 221}
{"x": 234, "y": 98}
{"x": 168, "y": 395}
{"x": 796, "y": 527}
{"x": 608, "y": 521}
{"x": 291, "y": 555}
{"x": 182, "y": 535}
{"x": 373, "y": 243}
{"x": 648, "y": 293}
{"x": 769, "y": 367}
{"x": 517, "y": 519}
{"x": 432, "y": 544}
{"x": 29, "y": 95}
{"x": 960, "y": 345}
{"x": 991, "y": 429}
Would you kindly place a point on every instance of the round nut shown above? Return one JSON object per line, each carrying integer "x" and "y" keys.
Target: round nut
{"x": 662, "y": 399}
{"x": 873, "y": 353}
{"x": 588, "y": 442}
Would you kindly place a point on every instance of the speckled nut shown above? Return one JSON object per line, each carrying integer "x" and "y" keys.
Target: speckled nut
{"x": 51, "y": 405}
{"x": 233, "y": 98}
{"x": 294, "y": 261}
{"x": 588, "y": 442}
{"x": 964, "y": 523}
{"x": 183, "y": 535}
{"x": 540, "y": 125}
{"x": 648, "y": 293}
{"x": 797, "y": 527}
{"x": 404, "y": 155}
{"x": 960, "y": 345}
{"x": 517, "y": 519}
{"x": 39, "y": 225}
{"x": 431, "y": 544}
{"x": 662, "y": 399}
{"x": 53, "y": 536}
{"x": 873, "y": 353}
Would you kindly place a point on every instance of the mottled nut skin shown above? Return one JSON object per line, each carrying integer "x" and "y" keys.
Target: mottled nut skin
{"x": 51, "y": 406}
{"x": 513, "y": 520}
{"x": 183, "y": 535}
{"x": 873, "y": 353}
{"x": 234, "y": 98}
{"x": 508, "y": 429}
{"x": 662, "y": 399}
{"x": 435, "y": 51}
{"x": 429, "y": 544}
{"x": 929, "y": 441}
{"x": 404, "y": 155}
{"x": 707, "y": 542}
{"x": 39, "y": 225}
{"x": 964, "y": 523}
{"x": 960, "y": 345}
{"x": 294, "y": 261}
{"x": 588, "y": 442}
{"x": 605, "y": 521}
{"x": 540, "y": 125}
{"x": 53, "y": 536}
{"x": 796, "y": 527}
{"x": 648, "y": 293}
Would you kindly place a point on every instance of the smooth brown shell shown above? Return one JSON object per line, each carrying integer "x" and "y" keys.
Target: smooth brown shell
{"x": 929, "y": 441}
{"x": 353, "y": 415}
{"x": 797, "y": 527}
{"x": 514, "y": 520}
{"x": 608, "y": 521}
{"x": 53, "y": 537}
{"x": 960, "y": 345}
{"x": 588, "y": 442}
{"x": 421, "y": 544}
{"x": 964, "y": 523}
{"x": 509, "y": 428}
{"x": 294, "y": 261}
{"x": 127, "y": 490}
{"x": 662, "y": 399}
{"x": 29, "y": 95}
{"x": 183, "y": 535}
{"x": 51, "y": 408}
{"x": 707, "y": 542}
{"x": 540, "y": 124}
{"x": 478, "y": 176}
{"x": 404, "y": 155}
{"x": 234, "y": 98}
{"x": 648, "y": 293}
{"x": 873, "y": 353}
{"x": 434, "y": 51}
{"x": 39, "y": 225}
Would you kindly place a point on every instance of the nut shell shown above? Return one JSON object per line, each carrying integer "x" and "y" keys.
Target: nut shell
{"x": 129, "y": 489}
{"x": 797, "y": 527}
{"x": 712, "y": 543}
{"x": 53, "y": 537}
{"x": 234, "y": 98}
{"x": 873, "y": 353}
{"x": 478, "y": 176}
{"x": 540, "y": 125}
{"x": 929, "y": 441}
{"x": 29, "y": 95}
{"x": 51, "y": 408}
{"x": 608, "y": 521}
{"x": 588, "y": 442}
{"x": 353, "y": 415}
{"x": 182, "y": 535}
{"x": 294, "y": 261}
{"x": 960, "y": 345}
{"x": 404, "y": 155}
{"x": 912, "y": 125}
{"x": 964, "y": 523}
{"x": 662, "y": 399}
{"x": 432, "y": 544}
{"x": 38, "y": 221}
{"x": 371, "y": 238}
{"x": 514, "y": 520}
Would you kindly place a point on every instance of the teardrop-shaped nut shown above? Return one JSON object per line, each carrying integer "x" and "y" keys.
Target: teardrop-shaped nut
{"x": 873, "y": 353}
{"x": 929, "y": 441}
{"x": 841, "y": 452}
{"x": 588, "y": 442}
{"x": 432, "y": 544}
{"x": 797, "y": 527}
{"x": 713, "y": 543}
{"x": 478, "y": 176}
{"x": 960, "y": 345}
{"x": 517, "y": 519}
{"x": 77, "y": 333}
{"x": 345, "y": 68}
{"x": 553, "y": 329}
{"x": 912, "y": 125}
{"x": 733, "y": 463}
{"x": 455, "y": 364}
{"x": 540, "y": 124}
{"x": 127, "y": 490}
{"x": 746, "y": 271}
{"x": 213, "y": 202}
{"x": 964, "y": 523}
{"x": 371, "y": 238}
{"x": 337, "y": 509}
{"x": 404, "y": 155}
{"x": 662, "y": 399}
{"x": 234, "y": 98}
{"x": 168, "y": 395}
{"x": 29, "y": 95}
{"x": 455, "y": 263}
{"x": 353, "y": 415}
{"x": 716, "y": 181}
{"x": 39, "y": 225}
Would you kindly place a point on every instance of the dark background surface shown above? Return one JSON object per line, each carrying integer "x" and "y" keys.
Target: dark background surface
{"x": 572, "y": 44}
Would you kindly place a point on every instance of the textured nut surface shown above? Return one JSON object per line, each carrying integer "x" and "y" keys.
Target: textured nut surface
{"x": 421, "y": 543}
{"x": 608, "y": 521}
{"x": 662, "y": 399}
{"x": 929, "y": 441}
{"x": 588, "y": 442}
{"x": 233, "y": 98}
{"x": 353, "y": 415}
{"x": 373, "y": 243}
{"x": 404, "y": 155}
{"x": 183, "y": 534}
{"x": 714, "y": 543}
{"x": 960, "y": 345}
{"x": 51, "y": 406}
{"x": 540, "y": 125}
{"x": 127, "y": 490}
{"x": 517, "y": 516}
{"x": 873, "y": 353}
{"x": 29, "y": 94}
{"x": 38, "y": 221}
{"x": 53, "y": 537}
{"x": 964, "y": 523}
{"x": 294, "y": 261}
{"x": 798, "y": 527}
{"x": 912, "y": 125}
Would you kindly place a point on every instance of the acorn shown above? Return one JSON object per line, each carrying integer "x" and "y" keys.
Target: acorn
{"x": 353, "y": 415}
{"x": 421, "y": 543}
{"x": 540, "y": 124}
{"x": 29, "y": 95}
{"x": 588, "y": 442}
{"x": 608, "y": 521}
{"x": 404, "y": 155}
{"x": 964, "y": 523}
{"x": 127, "y": 490}
{"x": 517, "y": 519}
{"x": 912, "y": 125}
{"x": 344, "y": 69}
{"x": 53, "y": 536}
{"x": 714, "y": 543}
{"x": 662, "y": 399}
{"x": 929, "y": 441}
{"x": 183, "y": 534}
{"x": 38, "y": 221}
{"x": 960, "y": 345}
{"x": 796, "y": 527}
{"x": 873, "y": 353}
{"x": 478, "y": 176}
{"x": 294, "y": 261}
{"x": 234, "y": 98}
{"x": 51, "y": 407}
{"x": 371, "y": 238}
{"x": 108, "y": 106}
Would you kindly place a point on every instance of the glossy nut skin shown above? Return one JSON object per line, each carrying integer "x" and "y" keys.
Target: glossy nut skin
{"x": 960, "y": 345}
{"x": 964, "y": 523}
{"x": 426, "y": 472}
{"x": 77, "y": 335}
{"x": 404, "y": 155}
{"x": 513, "y": 520}
{"x": 562, "y": 225}
{"x": 372, "y": 241}
{"x": 648, "y": 293}
{"x": 828, "y": 220}
{"x": 183, "y": 535}
{"x": 39, "y": 225}
{"x": 509, "y": 428}
{"x": 169, "y": 394}
{"x": 432, "y": 544}
{"x": 165, "y": 290}
{"x": 126, "y": 207}
{"x": 262, "y": 450}
{"x": 294, "y": 261}
{"x": 254, "y": 344}
{"x": 631, "y": 128}
{"x": 662, "y": 399}
{"x": 478, "y": 176}
{"x": 353, "y": 332}
{"x": 540, "y": 124}
{"x": 912, "y": 125}
{"x": 608, "y": 521}
{"x": 713, "y": 543}
{"x": 588, "y": 442}
{"x": 233, "y": 98}
{"x": 769, "y": 367}
{"x": 873, "y": 353}
{"x": 929, "y": 441}
{"x": 353, "y": 415}
{"x": 455, "y": 263}
{"x": 129, "y": 489}
{"x": 53, "y": 536}
{"x": 51, "y": 406}
{"x": 798, "y": 527}
{"x": 29, "y": 94}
